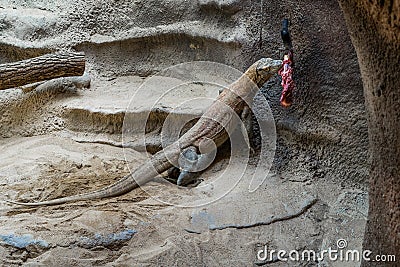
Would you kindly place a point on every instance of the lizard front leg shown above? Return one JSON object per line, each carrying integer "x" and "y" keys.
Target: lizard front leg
{"x": 247, "y": 119}
{"x": 188, "y": 162}
{"x": 186, "y": 172}
{"x": 191, "y": 164}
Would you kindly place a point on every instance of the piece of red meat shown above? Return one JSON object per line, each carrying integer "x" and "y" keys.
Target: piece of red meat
{"x": 287, "y": 80}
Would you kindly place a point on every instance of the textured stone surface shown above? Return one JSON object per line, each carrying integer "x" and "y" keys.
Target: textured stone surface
{"x": 321, "y": 147}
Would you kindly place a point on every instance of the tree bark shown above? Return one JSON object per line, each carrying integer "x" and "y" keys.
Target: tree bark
{"x": 41, "y": 68}
{"x": 374, "y": 27}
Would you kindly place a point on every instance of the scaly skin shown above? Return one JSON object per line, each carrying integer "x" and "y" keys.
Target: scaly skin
{"x": 210, "y": 127}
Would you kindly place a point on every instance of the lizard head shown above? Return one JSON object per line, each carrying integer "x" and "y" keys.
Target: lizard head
{"x": 263, "y": 69}
{"x": 268, "y": 66}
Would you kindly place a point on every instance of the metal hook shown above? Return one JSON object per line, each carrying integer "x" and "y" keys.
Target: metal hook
{"x": 285, "y": 34}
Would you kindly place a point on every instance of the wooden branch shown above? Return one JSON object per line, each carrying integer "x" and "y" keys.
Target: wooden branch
{"x": 41, "y": 68}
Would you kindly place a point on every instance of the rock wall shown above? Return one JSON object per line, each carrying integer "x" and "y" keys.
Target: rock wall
{"x": 322, "y": 136}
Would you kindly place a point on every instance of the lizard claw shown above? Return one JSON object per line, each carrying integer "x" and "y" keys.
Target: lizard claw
{"x": 186, "y": 178}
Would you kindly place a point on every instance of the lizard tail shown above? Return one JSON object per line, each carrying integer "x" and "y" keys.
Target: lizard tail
{"x": 158, "y": 164}
{"x": 121, "y": 187}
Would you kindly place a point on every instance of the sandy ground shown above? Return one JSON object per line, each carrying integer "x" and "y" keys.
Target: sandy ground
{"x": 136, "y": 229}
{"x": 218, "y": 222}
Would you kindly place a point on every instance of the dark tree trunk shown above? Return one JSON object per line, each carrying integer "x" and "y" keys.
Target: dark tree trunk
{"x": 41, "y": 68}
{"x": 374, "y": 27}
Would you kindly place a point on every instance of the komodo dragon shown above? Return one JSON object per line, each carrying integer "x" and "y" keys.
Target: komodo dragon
{"x": 209, "y": 132}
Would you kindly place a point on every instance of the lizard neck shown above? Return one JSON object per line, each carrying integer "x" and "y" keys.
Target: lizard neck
{"x": 247, "y": 85}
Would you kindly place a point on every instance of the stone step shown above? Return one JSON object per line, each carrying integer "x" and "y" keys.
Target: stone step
{"x": 107, "y": 105}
